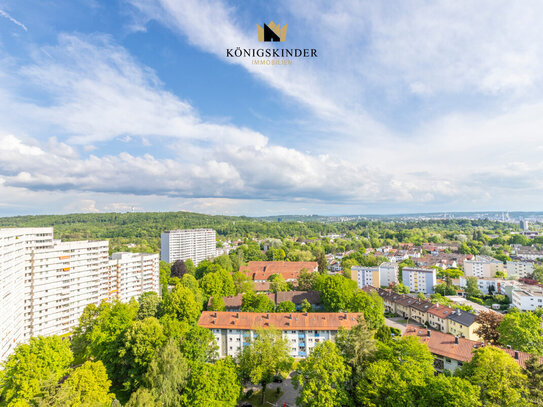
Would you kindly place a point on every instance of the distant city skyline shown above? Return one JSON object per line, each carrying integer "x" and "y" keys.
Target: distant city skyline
{"x": 407, "y": 107}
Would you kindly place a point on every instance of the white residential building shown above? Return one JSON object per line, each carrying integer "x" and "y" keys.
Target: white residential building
{"x": 490, "y": 285}
{"x": 184, "y": 244}
{"x": 303, "y": 331}
{"x": 45, "y": 284}
{"x": 528, "y": 299}
{"x": 419, "y": 280}
{"x": 520, "y": 269}
{"x": 388, "y": 273}
{"x": 365, "y": 276}
{"x": 132, "y": 274}
{"x": 482, "y": 266}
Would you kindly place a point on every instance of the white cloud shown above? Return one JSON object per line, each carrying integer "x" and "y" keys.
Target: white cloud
{"x": 14, "y": 21}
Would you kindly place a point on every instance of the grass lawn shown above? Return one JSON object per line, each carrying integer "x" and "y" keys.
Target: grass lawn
{"x": 271, "y": 396}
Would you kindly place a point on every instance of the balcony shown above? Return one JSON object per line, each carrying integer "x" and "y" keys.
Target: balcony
{"x": 302, "y": 344}
{"x": 301, "y": 336}
{"x": 301, "y": 354}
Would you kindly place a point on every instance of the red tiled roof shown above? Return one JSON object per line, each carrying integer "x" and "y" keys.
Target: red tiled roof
{"x": 441, "y": 311}
{"x": 444, "y": 344}
{"x": 262, "y": 270}
{"x": 280, "y": 320}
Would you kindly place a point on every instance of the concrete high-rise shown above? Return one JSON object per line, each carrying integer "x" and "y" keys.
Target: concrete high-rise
{"x": 45, "y": 284}
{"x": 184, "y": 244}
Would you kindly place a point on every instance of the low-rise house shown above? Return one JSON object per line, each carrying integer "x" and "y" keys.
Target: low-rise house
{"x": 462, "y": 324}
{"x": 403, "y": 305}
{"x": 303, "y": 331}
{"x": 452, "y": 352}
{"x": 419, "y": 310}
{"x": 438, "y": 317}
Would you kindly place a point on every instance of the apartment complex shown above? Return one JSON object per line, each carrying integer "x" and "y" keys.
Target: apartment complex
{"x": 482, "y": 266}
{"x": 383, "y": 275}
{"x": 419, "y": 280}
{"x": 184, "y": 244}
{"x": 528, "y": 298}
{"x": 303, "y": 331}
{"x": 520, "y": 269}
{"x": 45, "y": 284}
{"x": 366, "y": 276}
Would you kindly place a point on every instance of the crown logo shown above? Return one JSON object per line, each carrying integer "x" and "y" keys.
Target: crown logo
{"x": 271, "y": 32}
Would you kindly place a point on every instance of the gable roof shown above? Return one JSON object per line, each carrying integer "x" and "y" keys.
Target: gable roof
{"x": 462, "y": 317}
{"x": 444, "y": 344}
{"x": 279, "y": 320}
{"x": 441, "y": 311}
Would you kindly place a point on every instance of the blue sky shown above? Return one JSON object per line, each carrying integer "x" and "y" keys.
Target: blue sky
{"x": 411, "y": 106}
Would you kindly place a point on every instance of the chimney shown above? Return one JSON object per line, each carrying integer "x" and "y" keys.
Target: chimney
{"x": 429, "y": 332}
{"x": 456, "y": 340}
{"x": 516, "y": 354}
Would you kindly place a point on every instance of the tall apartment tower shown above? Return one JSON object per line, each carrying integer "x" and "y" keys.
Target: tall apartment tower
{"x": 184, "y": 244}
{"x": 45, "y": 284}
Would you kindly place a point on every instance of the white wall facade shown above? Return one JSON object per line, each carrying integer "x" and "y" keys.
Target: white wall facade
{"x": 184, "y": 244}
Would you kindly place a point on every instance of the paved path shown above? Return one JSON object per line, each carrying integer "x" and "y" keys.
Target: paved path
{"x": 289, "y": 394}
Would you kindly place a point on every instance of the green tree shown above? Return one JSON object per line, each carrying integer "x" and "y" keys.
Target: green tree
{"x": 191, "y": 268}
{"x": 265, "y": 357}
{"x": 321, "y": 261}
{"x": 278, "y": 283}
{"x": 305, "y": 306}
{"x": 140, "y": 343}
{"x": 285, "y": 306}
{"x": 534, "y": 373}
{"x": 306, "y": 280}
{"x": 30, "y": 366}
{"x": 252, "y": 302}
{"x": 217, "y": 304}
{"x": 472, "y": 290}
{"x": 218, "y": 283}
{"x": 182, "y": 304}
{"x": 87, "y": 385}
{"x": 167, "y": 375}
{"x": 400, "y": 288}
{"x": 149, "y": 304}
{"x": 323, "y": 377}
{"x": 336, "y": 292}
{"x": 537, "y": 274}
{"x": 225, "y": 262}
{"x": 401, "y": 369}
{"x": 371, "y": 306}
{"x": 81, "y": 337}
{"x": 446, "y": 391}
{"x": 213, "y": 385}
{"x": 199, "y": 345}
{"x": 522, "y": 331}
{"x": 498, "y": 376}
{"x": 143, "y": 397}
{"x": 357, "y": 345}
{"x": 242, "y": 282}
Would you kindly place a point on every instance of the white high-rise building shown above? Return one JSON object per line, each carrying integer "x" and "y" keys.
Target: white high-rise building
{"x": 520, "y": 269}
{"x": 133, "y": 274}
{"x": 419, "y": 280}
{"x": 388, "y": 273}
{"x": 184, "y": 244}
{"x": 482, "y": 266}
{"x": 365, "y": 276}
{"x": 45, "y": 284}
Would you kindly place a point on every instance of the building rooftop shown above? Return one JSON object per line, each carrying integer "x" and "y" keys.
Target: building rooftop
{"x": 283, "y": 321}
{"x": 441, "y": 311}
{"x": 462, "y": 317}
{"x": 444, "y": 344}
